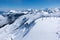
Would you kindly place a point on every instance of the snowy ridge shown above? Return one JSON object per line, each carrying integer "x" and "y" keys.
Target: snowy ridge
{"x": 16, "y": 24}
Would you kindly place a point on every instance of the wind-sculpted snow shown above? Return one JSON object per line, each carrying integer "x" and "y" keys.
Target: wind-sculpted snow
{"x": 15, "y": 25}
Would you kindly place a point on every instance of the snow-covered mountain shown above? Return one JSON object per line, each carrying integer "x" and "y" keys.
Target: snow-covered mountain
{"x": 22, "y": 24}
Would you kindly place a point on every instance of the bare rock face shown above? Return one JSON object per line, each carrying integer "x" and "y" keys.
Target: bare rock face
{"x": 15, "y": 25}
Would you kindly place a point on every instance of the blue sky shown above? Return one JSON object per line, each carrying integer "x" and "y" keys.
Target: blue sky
{"x": 25, "y": 4}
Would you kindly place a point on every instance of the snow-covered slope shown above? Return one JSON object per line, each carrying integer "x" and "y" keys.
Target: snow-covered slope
{"x": 30, "y": 24}
{"x": 45, "y": 29}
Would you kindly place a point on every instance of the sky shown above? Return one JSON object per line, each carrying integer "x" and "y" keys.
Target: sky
{"x": 26, "y": 4}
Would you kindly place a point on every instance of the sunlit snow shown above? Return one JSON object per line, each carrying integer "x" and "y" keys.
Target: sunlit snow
{"x": 30, "y": 24}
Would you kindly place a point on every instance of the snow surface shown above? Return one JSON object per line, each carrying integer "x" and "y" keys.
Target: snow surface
{"x": 45, "y": 29}
{"x": 30, "y": 24}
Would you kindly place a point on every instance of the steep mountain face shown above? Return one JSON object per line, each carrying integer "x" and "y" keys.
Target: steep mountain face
{"x": 15, "y": 25}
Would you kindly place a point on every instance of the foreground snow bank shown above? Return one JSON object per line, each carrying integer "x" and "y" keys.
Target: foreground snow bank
{"x": 45, "y": 29}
